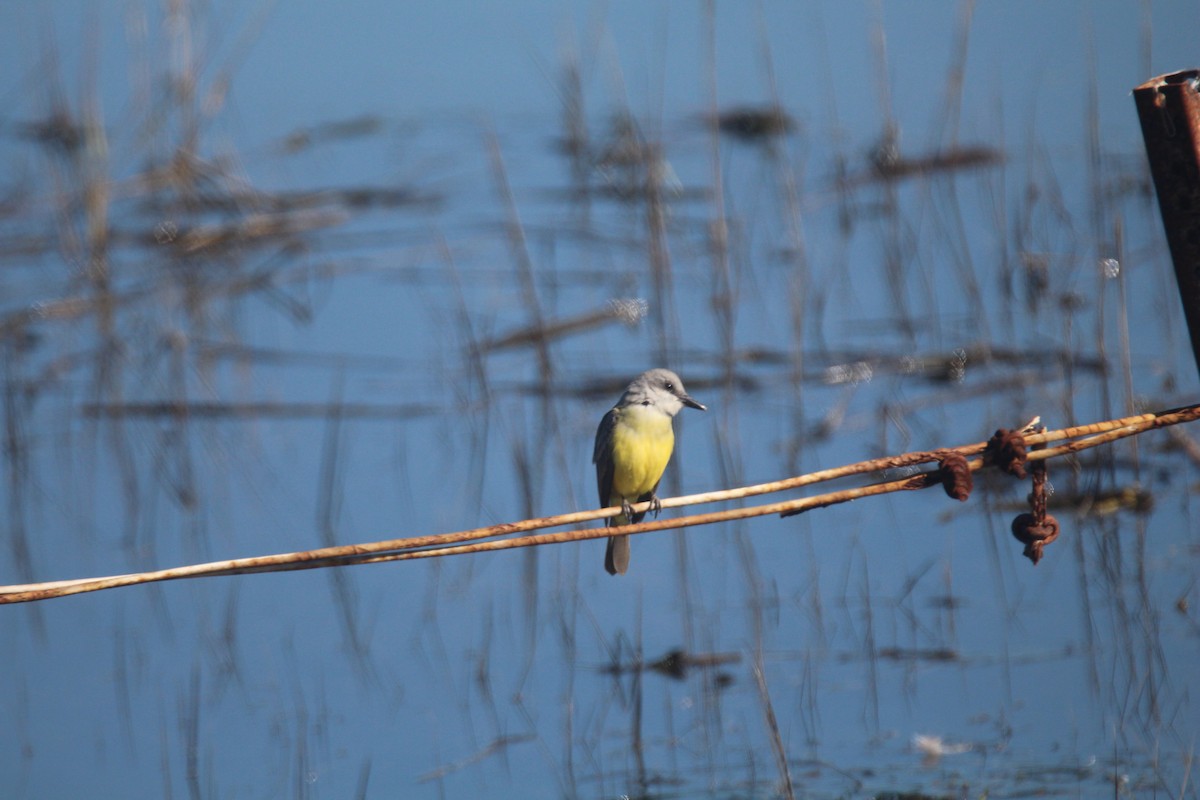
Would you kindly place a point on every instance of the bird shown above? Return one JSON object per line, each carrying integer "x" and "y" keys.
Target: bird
{"x": 633, "y": 445}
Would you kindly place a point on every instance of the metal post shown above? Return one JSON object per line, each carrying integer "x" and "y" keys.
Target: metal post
{"x": 1169, "y": 109}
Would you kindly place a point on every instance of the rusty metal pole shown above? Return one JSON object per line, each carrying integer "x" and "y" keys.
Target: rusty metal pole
{"x": 1169, "y": 109}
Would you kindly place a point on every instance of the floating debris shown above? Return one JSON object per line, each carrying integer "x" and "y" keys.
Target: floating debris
{"x": 753, "y": 123}
{"x": 934, "y": 747}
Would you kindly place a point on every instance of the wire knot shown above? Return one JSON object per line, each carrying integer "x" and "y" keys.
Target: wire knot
{"x": 956, "y": 476}
{"x": 1006, "y": 450}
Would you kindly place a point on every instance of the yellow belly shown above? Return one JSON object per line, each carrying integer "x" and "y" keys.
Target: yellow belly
{"x": 642, "y": 442}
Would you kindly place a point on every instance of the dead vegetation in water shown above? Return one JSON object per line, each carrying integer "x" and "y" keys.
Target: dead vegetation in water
{"x": 156, "y": 256}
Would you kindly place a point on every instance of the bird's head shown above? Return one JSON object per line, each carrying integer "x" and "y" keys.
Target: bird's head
{"x": 661, "y": 389}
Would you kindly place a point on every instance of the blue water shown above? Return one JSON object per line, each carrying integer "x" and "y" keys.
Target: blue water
{"x": 856, "y": 627}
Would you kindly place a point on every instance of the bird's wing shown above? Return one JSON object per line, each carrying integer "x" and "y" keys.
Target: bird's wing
{"x": 602, "y": 456}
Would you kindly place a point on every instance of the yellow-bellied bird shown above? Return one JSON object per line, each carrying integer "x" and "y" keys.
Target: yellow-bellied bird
{"x": 633, "y": 445}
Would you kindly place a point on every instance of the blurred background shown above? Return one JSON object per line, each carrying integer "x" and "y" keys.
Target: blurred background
{"x": 280, "y": 276}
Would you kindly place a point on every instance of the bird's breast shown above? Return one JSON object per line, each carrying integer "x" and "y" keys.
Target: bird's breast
{"x": 642, "y": 442}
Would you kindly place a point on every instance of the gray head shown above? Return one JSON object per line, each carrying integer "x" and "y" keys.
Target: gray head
{"x": 660, "y": 388}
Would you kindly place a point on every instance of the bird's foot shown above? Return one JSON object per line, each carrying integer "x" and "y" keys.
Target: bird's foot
{"x": 655, "y": 505}
{"x": 626, "y": 510}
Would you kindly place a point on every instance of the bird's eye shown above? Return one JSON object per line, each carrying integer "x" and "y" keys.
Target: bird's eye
{"x": 645, "y": 402}
{"x": 670, "y": 387}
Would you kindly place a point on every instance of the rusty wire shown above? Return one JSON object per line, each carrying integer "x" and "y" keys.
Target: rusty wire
{"x": 1037, "y": 529}
{"x": 1068, "y": 441}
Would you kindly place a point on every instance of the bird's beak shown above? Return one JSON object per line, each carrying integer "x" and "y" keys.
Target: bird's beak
{"x": 690, "y": 403}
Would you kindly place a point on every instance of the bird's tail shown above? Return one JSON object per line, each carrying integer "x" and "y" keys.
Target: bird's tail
{"x": 616, "y": 555}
